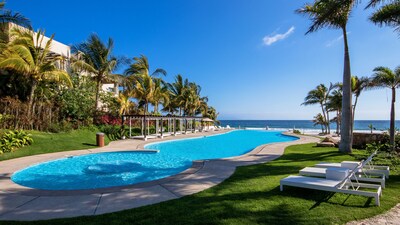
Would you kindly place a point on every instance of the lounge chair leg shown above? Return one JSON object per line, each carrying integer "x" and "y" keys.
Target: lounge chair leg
{"x": 281, "y": 188}
{"x": 377, "y": 202}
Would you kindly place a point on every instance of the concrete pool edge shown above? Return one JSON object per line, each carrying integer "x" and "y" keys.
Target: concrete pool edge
{"x": 33, "y": 203}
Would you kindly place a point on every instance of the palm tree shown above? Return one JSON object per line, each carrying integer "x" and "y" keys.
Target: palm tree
{"x": 212, "y": 113}
{"x": 125, "y": 104}
{"x": 193, "y": 102}
{"x": 320, "y": 120}
{"x": 95, "y": 57}
{"x": 160, "y": 94}
{"x": 358, "y": 85}
{"x": 335, "y": 14}
{"x": 386, "y": 78}
{"x": 177, "y": 90}
{"x": 28, "y": 54}
{"x": 143, "y": 82}
{"x": 335, "y": 104}
{"x": 388, "y": 14}
{"x": 7, "y": 16}
{"x": 319, "y": 96}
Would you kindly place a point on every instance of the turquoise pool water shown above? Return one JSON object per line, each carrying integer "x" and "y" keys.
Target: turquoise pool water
{"x": 124, "y": 168}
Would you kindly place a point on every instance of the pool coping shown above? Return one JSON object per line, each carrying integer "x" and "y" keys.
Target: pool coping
{"x": 202, "y": 175}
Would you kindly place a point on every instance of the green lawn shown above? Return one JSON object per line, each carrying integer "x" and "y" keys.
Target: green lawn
{"x": 252, "y": 196}
{"x": 56, "y": 142}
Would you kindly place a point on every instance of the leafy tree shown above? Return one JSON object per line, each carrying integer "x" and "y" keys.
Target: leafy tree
{"x": 335, "y": 14}
{"x": 30, "y": 55}
{"x": 384, "y": 77}
{"x": 76, "y": 103}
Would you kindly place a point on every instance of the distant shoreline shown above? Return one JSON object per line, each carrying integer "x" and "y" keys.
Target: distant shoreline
{"x": 307, "y": 126}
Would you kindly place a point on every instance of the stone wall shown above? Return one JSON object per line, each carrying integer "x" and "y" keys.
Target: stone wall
{"x": 360, "y": 140}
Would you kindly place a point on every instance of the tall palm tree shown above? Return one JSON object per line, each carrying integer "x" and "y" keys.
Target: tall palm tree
{"x": 177, "y": 90}
{"x": 335, "y": 104}
{"x": 95, "y": 57}
{"x": 335, "y": 14}
{"x": 386, "y": 78}
{"x": 160, "y": 94}
{"x": 358, "y": 85}
{"x": 193, "y": 102}
{"x": 143, "y": 82}
{"x": 388, "y": 14}
{"x": 30, "y": 55}
{"x": 319, "y": 95}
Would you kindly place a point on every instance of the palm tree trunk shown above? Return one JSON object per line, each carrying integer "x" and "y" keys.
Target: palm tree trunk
{"x": 145, "y": 123}
{"x": 328, "y": 123}
{"x": 392, "y": 120}
{"x": 324, "y": 114}
{"x": 354, "y": 113}
{"x": 31, "y": 98}
{"x": 156, "y": 107}
{"x": 346, "y": 135}
{"x": 98, "y": 87}
{"x": 337, "y": 121}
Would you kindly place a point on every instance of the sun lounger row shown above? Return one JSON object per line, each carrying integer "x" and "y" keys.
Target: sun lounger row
{"x": 357, "y": 178}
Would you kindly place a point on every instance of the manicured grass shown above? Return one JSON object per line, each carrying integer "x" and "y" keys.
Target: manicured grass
{"x": 56, "y": 142}
{"x": 252, "y": 196}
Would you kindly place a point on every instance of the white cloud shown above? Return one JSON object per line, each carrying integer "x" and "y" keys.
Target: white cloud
{"x": 270, "y": 39}
{"x": 334, "y": 41}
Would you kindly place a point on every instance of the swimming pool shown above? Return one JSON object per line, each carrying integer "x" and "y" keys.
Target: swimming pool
{"x": 111, "y": 169}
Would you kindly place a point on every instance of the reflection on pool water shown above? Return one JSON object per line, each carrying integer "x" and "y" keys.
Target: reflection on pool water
{"x": 124, "y": 168}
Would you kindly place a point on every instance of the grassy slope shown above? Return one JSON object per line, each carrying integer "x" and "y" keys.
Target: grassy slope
{"x": 252, "y": 196}
{"x": 56, "y": 142}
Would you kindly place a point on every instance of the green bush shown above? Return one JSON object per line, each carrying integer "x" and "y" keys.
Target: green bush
{"x": 113, "y": 132}
{"x": 384, "y": 156}
{"x": 12, "y": 140}
{"x": 296, "y": 132}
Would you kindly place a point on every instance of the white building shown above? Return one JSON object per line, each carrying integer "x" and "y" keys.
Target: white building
{"x": 63, "y": 50}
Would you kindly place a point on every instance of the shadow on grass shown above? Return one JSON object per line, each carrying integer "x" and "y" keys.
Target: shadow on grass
{"x": 89, "y": 144}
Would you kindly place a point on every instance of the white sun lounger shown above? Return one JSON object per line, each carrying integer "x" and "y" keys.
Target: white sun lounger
{"x": 368, "y": 168}
{"x": 321, "y": 172}
{"x": 345, "y": 185}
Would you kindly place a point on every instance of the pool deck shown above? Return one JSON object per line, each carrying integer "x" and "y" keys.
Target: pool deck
{"x": 24, "y": 204}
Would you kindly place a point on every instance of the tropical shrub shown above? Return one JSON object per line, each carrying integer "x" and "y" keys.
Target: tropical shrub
{"x": 385, "y": 156}
{"x": 76, "y": 104}
{"x": 296, "y": 132}
{"x": 113, "y": 132}
{"x": 12, "y": 140}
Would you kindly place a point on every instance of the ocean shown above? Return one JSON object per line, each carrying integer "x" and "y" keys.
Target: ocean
{"x": 381, "y": 125}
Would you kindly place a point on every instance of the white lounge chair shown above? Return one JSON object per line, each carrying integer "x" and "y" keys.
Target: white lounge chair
{"x": 369, "y": 168}
{"x": 360, "y": 176}
{"x": 345, "y": 185}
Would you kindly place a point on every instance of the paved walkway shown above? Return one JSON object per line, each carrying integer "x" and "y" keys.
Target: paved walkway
{"x": 390, "y": 217}
{"x": 22, "y": 203}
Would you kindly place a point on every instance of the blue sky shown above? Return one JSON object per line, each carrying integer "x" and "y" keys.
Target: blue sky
{"x": 251, "y": 58}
